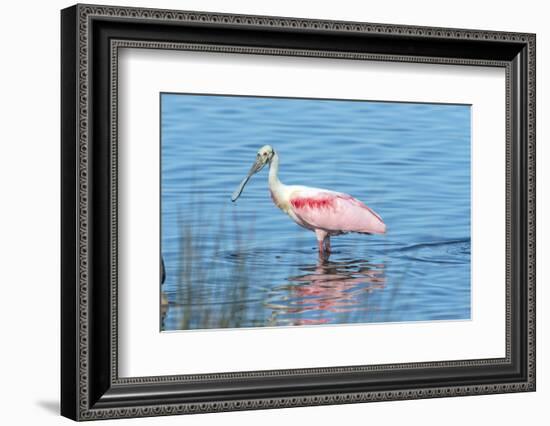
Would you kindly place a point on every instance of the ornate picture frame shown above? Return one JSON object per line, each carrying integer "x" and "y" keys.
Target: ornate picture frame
{"x": 91, "y": 37}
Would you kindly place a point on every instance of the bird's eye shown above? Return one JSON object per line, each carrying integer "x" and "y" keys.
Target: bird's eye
{"x": 265, "y": 153}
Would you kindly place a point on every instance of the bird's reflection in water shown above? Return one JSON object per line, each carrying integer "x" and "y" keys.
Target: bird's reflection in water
{"x": 327, "y": 292}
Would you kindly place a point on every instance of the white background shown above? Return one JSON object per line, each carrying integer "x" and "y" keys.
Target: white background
{"x": 141, "y": 345}
{"x": 29, "y": 225}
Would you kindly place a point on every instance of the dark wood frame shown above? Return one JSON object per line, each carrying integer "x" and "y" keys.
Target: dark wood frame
{"x": 90, "y": 386}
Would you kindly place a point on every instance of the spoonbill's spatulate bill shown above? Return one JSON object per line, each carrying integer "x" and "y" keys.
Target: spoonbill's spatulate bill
{"x": 325, "y": 212}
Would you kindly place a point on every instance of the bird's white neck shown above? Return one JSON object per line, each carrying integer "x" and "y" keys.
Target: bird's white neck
{"x": 274, "y": 172}
{"x": 275, "y": 185}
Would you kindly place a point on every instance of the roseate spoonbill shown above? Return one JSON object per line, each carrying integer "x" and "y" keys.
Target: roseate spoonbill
{"x": 325, "y": 212}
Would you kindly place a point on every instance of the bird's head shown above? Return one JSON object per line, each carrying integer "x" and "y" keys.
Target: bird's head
{"x": 264, "y": 156}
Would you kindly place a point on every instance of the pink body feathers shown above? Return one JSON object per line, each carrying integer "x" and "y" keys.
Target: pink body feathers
{"x": 336, "y": 213}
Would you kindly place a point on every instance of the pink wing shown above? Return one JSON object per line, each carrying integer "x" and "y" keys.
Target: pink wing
{"x": 335, "y": 212}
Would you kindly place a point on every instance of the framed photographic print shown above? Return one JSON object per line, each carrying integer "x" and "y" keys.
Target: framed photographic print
{"x": 263, "y": 212}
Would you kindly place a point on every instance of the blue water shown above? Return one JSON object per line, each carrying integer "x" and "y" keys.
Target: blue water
{"x": 247, "y": 264}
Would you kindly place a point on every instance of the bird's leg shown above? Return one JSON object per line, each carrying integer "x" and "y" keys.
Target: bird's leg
{"x": 321, "y": 248}
{"x": 327, "y": 244}
{"x": 321, "y": 237}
